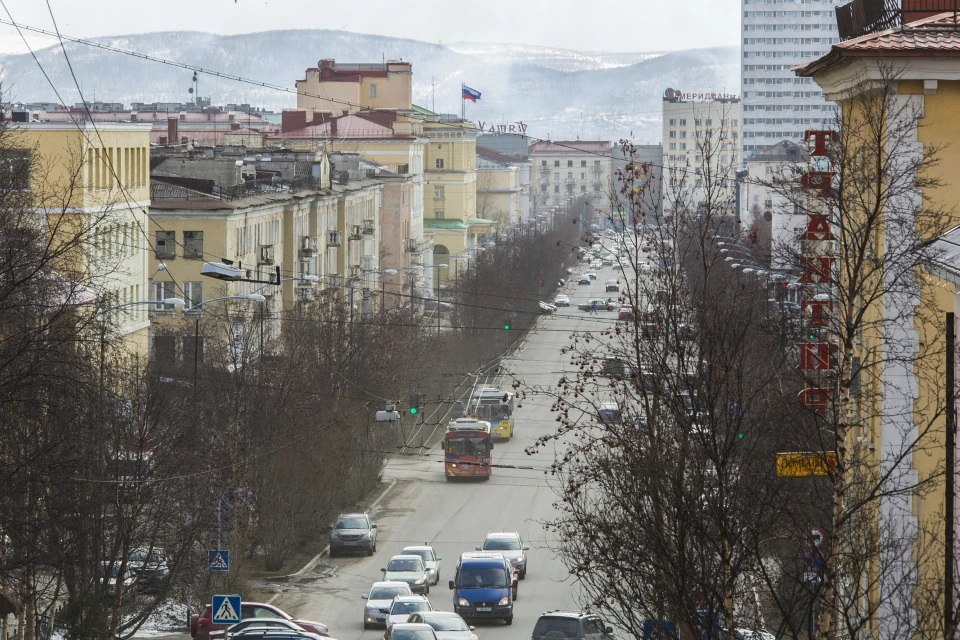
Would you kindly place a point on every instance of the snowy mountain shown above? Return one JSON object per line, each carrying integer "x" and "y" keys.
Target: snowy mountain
{"x": 558, "y": 93}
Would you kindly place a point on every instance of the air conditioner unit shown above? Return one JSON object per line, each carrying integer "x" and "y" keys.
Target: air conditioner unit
{"x": 265, "y": 255}
{"x": 334, "y": 238}
{"x": 354, "y": 232}
{"x": 368, "y": 226}
{"x": 308, "y": 245}
{"x": 411, "y": 245}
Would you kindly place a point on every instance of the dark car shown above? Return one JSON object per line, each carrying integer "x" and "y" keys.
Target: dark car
{"x": 651, "y": 330}
{"x": 353, "y": 531}
{"x": 615, "y": 367}
{"x": 202, "y": 625}
{"x": 570, "y": 625}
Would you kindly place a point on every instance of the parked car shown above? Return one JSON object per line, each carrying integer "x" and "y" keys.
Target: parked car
{"x": 430, "y": 560}
{"x": 378, "y": 601}
{"x": 403, "y": 606}
{"x": 256, "y": 624}
{"x": 563, "y": 300}
{"x": 511, "y": 546}
{"x": 546, "y": 308}
{"x": 353, "y": 531}
{"x": 612, "y": 285}
{"x": 570, "y": 625}
{"x": 600, "y": 303}
{"x": 446, "y": 624}
{"x": 409, "y": 569}
{"x": 584, "y": 279}
{"x": 201, "y": 626}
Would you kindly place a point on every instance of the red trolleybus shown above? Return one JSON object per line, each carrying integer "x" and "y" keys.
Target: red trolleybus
{"x": 467, "y": 446}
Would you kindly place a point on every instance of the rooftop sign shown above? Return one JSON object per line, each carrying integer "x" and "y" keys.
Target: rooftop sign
{"x": 676, "y": 95}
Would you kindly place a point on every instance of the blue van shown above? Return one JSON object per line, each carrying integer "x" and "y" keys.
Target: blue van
{"x": 482, "y": 587}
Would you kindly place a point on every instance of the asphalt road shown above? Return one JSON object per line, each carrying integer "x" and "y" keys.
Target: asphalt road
{"x": 454, "y": 517}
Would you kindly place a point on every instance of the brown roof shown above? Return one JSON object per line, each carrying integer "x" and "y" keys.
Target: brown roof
{"x": 496, "y": 156}
{"x": 935, "y": 36}
{"x": 573, "y": 147}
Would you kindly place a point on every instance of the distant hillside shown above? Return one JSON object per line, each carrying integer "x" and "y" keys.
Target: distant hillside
{"x": 605, "y": 98}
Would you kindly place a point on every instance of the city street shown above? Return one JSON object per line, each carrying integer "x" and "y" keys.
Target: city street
{"x": 454, "y": 517}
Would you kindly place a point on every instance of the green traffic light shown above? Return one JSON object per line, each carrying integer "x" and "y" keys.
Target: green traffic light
{"x": 413, "y": 410}
{"x": 507, "y": 327}
{"x": 740, "y": 436}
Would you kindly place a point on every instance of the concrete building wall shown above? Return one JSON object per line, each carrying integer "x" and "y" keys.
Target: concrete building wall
{"x": 565, "y": 169}
{"x": 356, "y": 86}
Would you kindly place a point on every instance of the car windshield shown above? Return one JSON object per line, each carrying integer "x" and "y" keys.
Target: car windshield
{"x": 446, "y": 623}
{"x": 567, "y": 627}
{"x": 351, "y": 523}
{"x": 399, "y": 608}
{"x": 425, "y": 554}
{"x": 404, "y": 564}
{"x": 413, "y": 634}
{"x": 501, "y": 544}
{"x": 483, "y": 577}
{"x": 388, "y": 593}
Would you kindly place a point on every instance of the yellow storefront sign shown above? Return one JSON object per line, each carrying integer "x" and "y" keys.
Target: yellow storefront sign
{"x": 803, "y": 465}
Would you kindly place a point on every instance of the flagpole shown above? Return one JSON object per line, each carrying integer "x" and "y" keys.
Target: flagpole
{"x": 463, "y": 104}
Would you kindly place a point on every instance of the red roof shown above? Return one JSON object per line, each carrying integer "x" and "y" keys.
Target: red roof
{"x": 571, "y": 147}
{"x": 935, "y": 36}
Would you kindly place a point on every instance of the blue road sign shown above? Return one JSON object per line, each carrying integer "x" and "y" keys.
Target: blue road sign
{"x": 226, "y": 609}
{"x": 218, "y": 560}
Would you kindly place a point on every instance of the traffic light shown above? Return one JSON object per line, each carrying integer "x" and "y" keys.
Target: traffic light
{"x": 416, "y": 403}
{"x": 541, "y": 282}
{"x": 506, "y": 325}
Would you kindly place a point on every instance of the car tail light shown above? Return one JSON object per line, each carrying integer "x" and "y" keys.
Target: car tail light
{"x": 194, "y": 623}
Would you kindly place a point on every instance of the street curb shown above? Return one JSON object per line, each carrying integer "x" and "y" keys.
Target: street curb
{"x": 326, "y": 550}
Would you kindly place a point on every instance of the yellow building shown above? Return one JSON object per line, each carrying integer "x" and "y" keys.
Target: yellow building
{"x": 102, "y": 173}
{"x": 902, "y": 393}
{"x": 333, "y": 87}
{"x": 498, "y": 188}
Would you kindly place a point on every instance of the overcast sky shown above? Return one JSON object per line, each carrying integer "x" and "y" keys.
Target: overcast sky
{"x": 596, "y": 25}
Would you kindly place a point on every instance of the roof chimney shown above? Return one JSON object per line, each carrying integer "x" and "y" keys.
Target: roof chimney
{"x": 172, "y": 134}
{"x": 914, "y": 10}
{"x": 333, "y": 127}
{"x": 293, "y": 119}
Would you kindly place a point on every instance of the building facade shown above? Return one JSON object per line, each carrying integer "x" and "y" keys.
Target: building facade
{"x": 102, "y": 174}
{"x": 775, "y": 37}
{"x": 333, "y": 88}
{"x": 500, "y": 194}
{"x": 566, "y": 169}
{"x": 699, "y": 131}
{"x": 778, "y": 222}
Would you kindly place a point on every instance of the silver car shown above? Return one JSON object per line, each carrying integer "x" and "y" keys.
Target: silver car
{"x": 379, "y": 599}
{"x": 511, "y": 546}
{"x": 409, "y": 569}
{"x": 446, "y": 624}
{"x": 403, "y": 606}
{"x": 430, "y": 560}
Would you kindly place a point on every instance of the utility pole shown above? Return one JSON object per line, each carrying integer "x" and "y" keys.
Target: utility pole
{"x": 949, "y": 579}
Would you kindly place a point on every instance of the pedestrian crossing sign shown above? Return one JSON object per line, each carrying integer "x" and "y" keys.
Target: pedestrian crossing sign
{"x": 226, "y": 609}
{"x": 218, "y": 560}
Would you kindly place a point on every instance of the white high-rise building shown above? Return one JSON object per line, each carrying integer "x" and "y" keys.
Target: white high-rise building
{"x": 775, "y": 36}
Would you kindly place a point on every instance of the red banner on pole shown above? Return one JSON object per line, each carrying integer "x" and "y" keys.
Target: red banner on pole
{"x": 815, "y": 357}
{"x": 816, "y": 270}
{"x": 819, "y": 312}
{"x": 819, "y": 180}
{"x": 818, "y": 229}
{"x": 816, "y": 398}
{"x": 821, "y": 141}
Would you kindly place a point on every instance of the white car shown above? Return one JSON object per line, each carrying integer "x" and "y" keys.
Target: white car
{"x": 545, "y": 309}
{"x": 403, "y": 606}
{"x": 430, "y": 560}
{"x": 446, "y": 624}
{"x": 596, "y": 264}
{"x": 563, "y": 300}
{"x": 379, "y": 599}
{"x": 591, "y": 274}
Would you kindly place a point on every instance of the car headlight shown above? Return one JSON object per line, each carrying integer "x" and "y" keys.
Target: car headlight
{"x": 463, "y": 602}
{"x": 504, "y": 601}
{"x": 418, "y": 581}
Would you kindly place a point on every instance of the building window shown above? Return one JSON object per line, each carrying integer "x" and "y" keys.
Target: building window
{"x": 163, "y": 290}
{"x": 15, "y": 169}
{"x": 438, "y": 193}
{"x": 556, "y": 175}
{"x": 709, "y": 122}
{"x": 166, "y": 244}
{"x": 683, "y": 146}
{"x": 556, "y": 163}
{"x": 673, "y": 122}
{"x": 673, "y": 134}
{"x": 673, "y": 146}
{"x": 583, "y": 188}
{"x": 569, "y": 163}
{"x": 439, "y": 163}
{"x": 438, "y": 215}
{"x": 192, "y": 294}
{"x": 569, "y": 175}
{"x": 543, "y": 163}
{"x": 556, "y": 188}
{"x": 583, "y": 175}
{"x": 683, "y": 134}
{"x": 193, "y": 244}
{"x": 583, "y": 163}
{"x": 683, "y": 122}
{"x": 373, "y": 91}
{"x": 543, "y": 188}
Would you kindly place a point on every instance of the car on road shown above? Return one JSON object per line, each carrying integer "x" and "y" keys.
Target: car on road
{"x": 483, "y": 587}
{"x": 274, "y": 633}
{"x": 607, "y": 262}
{"x": 599, "y": 303}
{"x": 686, "y": 332}
{"x": 409, "y": 631}
{"x": 403, "y": 606}
{"x": 584, "y": 279}
{"x": 612, "y": 285}
{"x": 625, "y": 313}
{"x": 591, "y": 274}
{"x": 570, "y": 625}
{"x": 351, "y": 532}
{"x": 650, "y": 331}
{"x": 563, "y": 300}
{"x": 511, "y": 546}
{"x": 596, "y": 264}
{"x": 379, "y": 599}
{"x": 260, "y": 626}
{"x": 202, "y": 625}
{"x": 446, "y": 624}
{"x": 615, "y": 367}
{"x": 430, "y": 560}
{"x": 609, "y": 412}
{"x": 547, "y": 309}
{"x": 409, "y": 569}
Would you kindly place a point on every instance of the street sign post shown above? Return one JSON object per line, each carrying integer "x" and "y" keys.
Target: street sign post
{"x": 803, "y": 465}
{"x": 226, "y": 610}
{"x": 218, "y": 560}
{"x": 817, "y": 536}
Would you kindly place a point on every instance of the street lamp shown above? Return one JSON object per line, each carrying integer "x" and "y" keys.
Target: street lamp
{"x": 254, "y": 297}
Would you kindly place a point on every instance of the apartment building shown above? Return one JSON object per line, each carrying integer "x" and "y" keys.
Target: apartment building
{"x": 112, "y": 200}
{"x": 699, "y": 130}
{"x": 333, "y": 87}
{"x": 566, "y": 169}
{"x": 776, "y": 36}
{"x": 500, "y": 194}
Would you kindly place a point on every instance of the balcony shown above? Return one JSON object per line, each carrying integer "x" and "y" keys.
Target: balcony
{"x": 861, "y": 17}
{"x": 571, "y": 181}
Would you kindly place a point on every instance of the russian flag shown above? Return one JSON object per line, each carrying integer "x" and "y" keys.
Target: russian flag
{"x": 470, "y": 94}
